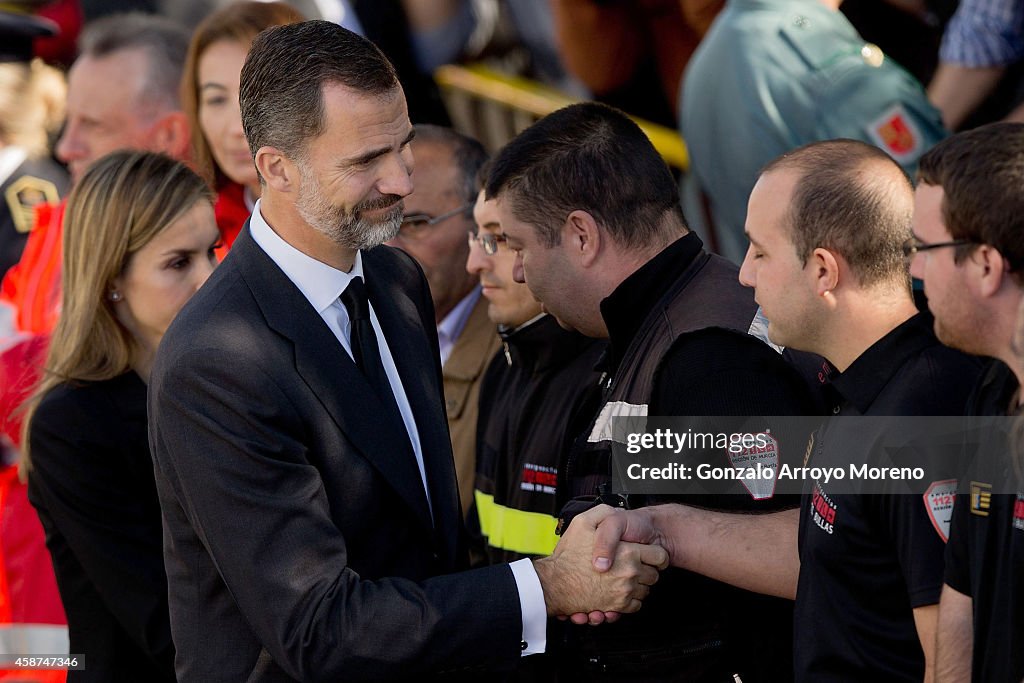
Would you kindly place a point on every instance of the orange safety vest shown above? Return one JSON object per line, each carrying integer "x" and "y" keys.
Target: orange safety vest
{"x": 33, "y": 285}
{"x": 32, "y": 617}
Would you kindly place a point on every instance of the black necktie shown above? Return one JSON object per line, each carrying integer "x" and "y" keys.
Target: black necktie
{"x": 365, "y": 351}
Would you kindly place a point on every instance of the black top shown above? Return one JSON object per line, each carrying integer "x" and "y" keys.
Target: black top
{"x": 985, "y": 556}
{"x": 92, "y": 484}
{"x": 532, "y": 398}
{"x": 627, "y": 307}
{"x": 693, "y": 628}
{"x": 867, "y": 560}
{"x": 723, "y": 373}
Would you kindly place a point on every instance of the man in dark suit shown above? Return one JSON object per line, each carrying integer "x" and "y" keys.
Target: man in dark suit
{"x": 297, "y": 422}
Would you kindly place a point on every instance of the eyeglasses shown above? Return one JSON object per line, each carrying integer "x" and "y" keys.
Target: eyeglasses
{"x": 913, "y": 245}
{"x": 418, "y": 222}
{"x": 488, "y": 241}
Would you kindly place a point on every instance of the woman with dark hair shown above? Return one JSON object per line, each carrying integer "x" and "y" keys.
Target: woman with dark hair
{"x": 209, "y": 96}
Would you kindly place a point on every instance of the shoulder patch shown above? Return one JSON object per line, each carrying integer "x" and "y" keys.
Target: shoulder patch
{"x": 896, "y": 133}
{"x": 938, "y": 501}
{"x": 761, "y": 459}
{"x": 981, "y": 498}
{"x": 24, "y": 195}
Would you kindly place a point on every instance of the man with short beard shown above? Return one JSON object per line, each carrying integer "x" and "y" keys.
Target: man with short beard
{"x": 312, "y": 525}
{"x": 347, "y": 227}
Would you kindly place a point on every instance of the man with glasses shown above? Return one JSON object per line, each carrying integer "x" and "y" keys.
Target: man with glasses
{"x": 828, "y": 225}
{"x": 969, "y": 251}
{"x": 592, "y": 214}
{"x": 437, "y": 216}
{"x": 529, "y": 396}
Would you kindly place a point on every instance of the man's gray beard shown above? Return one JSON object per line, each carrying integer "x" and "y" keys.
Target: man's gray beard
{"x": 343, "y": 228}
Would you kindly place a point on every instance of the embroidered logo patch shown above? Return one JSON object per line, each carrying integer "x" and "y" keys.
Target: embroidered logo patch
{"x": 981, "y": 498}
{"x": 539, "y": 478}
{"x": 938, "y": 500}
{"x": 823, "y": 510}
{"x": 24, "y": 195}
{"x": 895, "y": 132}
{"x": 768, "y": 457}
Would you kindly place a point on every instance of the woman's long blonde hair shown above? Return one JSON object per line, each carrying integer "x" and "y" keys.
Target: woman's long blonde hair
{"x": 121, "y": 203}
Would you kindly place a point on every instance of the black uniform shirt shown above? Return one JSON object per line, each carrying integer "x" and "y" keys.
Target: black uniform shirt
{"x": 707, "y": 372}
{"x": 985, "y": 557}
{"x": 866, "y": 560}
{"x": 694, "y": 628}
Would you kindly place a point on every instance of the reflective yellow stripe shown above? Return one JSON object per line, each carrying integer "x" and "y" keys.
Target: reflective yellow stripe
{"x": 530, "y": 533}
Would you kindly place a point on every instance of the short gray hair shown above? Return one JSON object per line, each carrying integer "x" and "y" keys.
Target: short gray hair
{"x": 165, "y": 43}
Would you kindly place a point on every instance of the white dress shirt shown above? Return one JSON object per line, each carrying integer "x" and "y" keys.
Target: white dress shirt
{"x": 322, "y": 286}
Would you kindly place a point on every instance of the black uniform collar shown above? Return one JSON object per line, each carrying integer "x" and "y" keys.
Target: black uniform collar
{"x": 626, "y": 308}
{"x": 861, "y": 383}
{"x": 542, "y": 344}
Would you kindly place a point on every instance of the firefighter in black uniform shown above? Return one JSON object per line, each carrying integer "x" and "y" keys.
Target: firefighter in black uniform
{"x": 870, "y": 570}
{"x": 968, "y": 202}
{"x": 828, "y": 229}
{"x": 593, "y": 215}
{"x": 531, "y": 392}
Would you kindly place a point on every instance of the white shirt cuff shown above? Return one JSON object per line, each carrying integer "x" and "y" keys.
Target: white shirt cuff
{"x": 531, "y": 603}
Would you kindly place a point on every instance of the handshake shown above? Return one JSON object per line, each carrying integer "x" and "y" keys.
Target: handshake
{"x": 594, "y": 574}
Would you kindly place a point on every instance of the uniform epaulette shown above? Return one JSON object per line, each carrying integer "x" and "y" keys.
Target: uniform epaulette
{"x": 821, "y": 50}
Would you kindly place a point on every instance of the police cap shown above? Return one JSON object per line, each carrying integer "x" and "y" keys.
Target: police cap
{"x": 19, "y": 27}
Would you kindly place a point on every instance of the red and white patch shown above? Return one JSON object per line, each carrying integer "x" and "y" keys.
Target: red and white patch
{"x": 938, "y": 500}
{"x": 762, "y": 486}
{"x": 823, "y": 510}
{"x": 1018, "y": 512}
{"x": 539, "y": 478}
{"x": 895, "y": 132}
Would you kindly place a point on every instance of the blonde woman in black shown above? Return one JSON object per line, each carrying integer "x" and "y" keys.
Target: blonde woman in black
{"x": 139, "y": 241}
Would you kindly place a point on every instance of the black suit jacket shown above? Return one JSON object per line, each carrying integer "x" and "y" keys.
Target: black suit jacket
{"x": 297, "y": 536}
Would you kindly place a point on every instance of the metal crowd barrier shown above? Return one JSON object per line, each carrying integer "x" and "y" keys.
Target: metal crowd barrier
{"x": 494, "y": 107}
